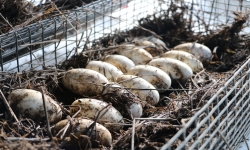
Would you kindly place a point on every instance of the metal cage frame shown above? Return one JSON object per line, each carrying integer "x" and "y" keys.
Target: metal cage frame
{"x": 235, "y": 94}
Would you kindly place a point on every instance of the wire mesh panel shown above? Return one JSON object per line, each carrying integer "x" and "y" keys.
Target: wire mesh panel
{"x": 223, "y": 121}
{"x": 51, "y": 41}
{"x": 220, "y": 124}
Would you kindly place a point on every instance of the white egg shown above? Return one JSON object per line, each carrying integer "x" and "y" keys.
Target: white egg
{"x": 128, "y": 104}
{"x": 138, "y": 55}
{"x": 82, "y": 126}
{"x": 189, "y": 59}
{"x": 157, "y": 77}
{"x": 91, "y": 107}
{"x": 202, "y": 52}
{"x": 121, "y": 62}
{"x": 108, "y": 70}
{"x": 84, "y": 81}
{"x": 174, "y": 68}
{"x": 29, "y": 104}
{"x": 140, "y": 87}
{"x": 148, "y": 46}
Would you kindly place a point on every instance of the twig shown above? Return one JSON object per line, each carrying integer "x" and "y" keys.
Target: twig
{"x": 78, "y": 45}
{"x": 246, "y": 142}
{"x": 6, "y": 21}
{"x": 191, "y": 99}
{"x": 207, "y": 92}
{"x": 46, "y": 115}
{"x": 198, "y": 73}
{"x": 224, "y": 139}
{"x": 182, "y": 88}
{"x": 121, "y": 124}
{"x": 64, "y": 17}
{"x": 128, "y": 132}
{"x": 161, "y": 89}
{"x": 144, "y": 119}
{"x": 127, "y": 79}
{"x": 26, "y": 139}
{"x": 13, "y": 130}
{"x": 65, "y": 128}
{"x": 151, "y": 32}
{"x": 133, "y": 135}
{"x": 28, "y": 21}
{"x": 195, "y": 84}
{"x": 46, "y": 12}
{"x": 87, "y": 40}
{"x": 91, "y": 127}
{"x": 68, "y": 123}
{"x": 103, "y": 49}
{"x": 53, "y": 4}
{"x": 8, "y": 107}
{"x": 44, "y": 42}
{"x": 5, "y": 145}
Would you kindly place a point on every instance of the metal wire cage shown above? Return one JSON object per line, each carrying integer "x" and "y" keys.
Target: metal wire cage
{"x": 231, "y": 123}
{"x": 51, "y": 41}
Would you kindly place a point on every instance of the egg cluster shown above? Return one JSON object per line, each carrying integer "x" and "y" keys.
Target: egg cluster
{"x": 142, "y": 69}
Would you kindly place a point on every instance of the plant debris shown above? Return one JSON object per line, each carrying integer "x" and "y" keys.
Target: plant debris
{"x": 14, "y": 13}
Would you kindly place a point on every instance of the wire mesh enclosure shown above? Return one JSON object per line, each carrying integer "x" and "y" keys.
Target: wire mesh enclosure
{"x": 219, "y": 124}
{"x": 20, "y": 51}
{"x": 225, "y": 130}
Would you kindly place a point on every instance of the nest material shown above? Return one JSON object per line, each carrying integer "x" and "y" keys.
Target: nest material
{"x": 229, "y": 45}
{"x": 19, "y": 13}
{"x": 175, "y": 29}
{"x": 121, "y": 99}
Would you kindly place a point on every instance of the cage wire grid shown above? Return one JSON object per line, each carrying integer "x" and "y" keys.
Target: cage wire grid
{"x": 220, "y": 124}
{"x": 91, "y": 20}
{"x": 230, "y": 123}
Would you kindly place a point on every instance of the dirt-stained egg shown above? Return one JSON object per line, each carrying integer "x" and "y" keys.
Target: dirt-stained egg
{"x": 157, "y": 77}
{"x": 202, "y": 52}
{"x": 121, "y": 62}
{"x": 148, "y": 46}
{"x": 91, "y": 107}
{"x": 84, "y": 81}
{"x": 160, "y": 45}
{"x": 82, "y": 126}
{"x": 140, "y": 87}
{"x": 189, "y": 59}
{"x": 29, "y": 103}
{"x": 127, "y": 103}
{"x": 138, "y": 55}
{"x": 110, "y": 71}
{"x": 174, "y": 68}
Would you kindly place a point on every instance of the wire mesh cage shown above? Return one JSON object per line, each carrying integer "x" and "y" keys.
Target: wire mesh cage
{"x": 226, "y": 130}
{"x": 219, "y": 124}
{"x": 91, "y": 19}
